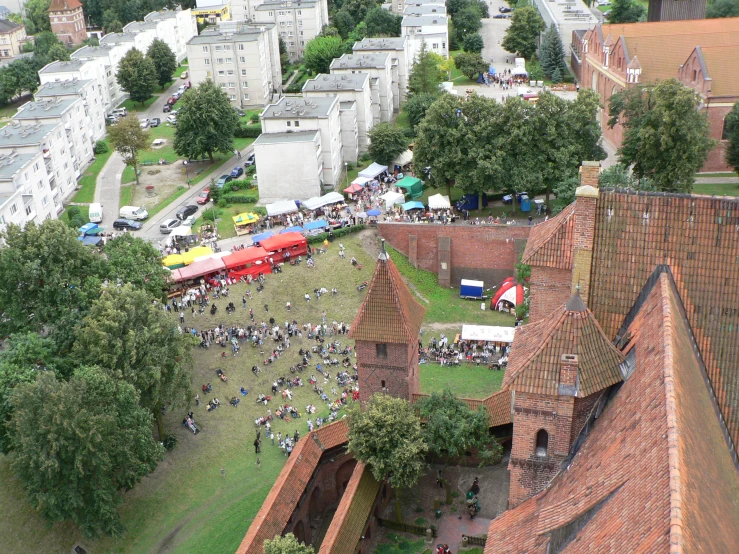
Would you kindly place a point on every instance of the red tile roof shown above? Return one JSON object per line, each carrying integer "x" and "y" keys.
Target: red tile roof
{"x": 355, "y": 508}
{"x": 535, "y": 359}
{"x": 721, "y": 63}
{"x": 654, "y": 474}
{"x": 64, "y": 5}
{"x": 389, "y": 313}
{"x": 282, "y": 500}
{"x": 550, "y": 243}
{"x": 698, "y": 238}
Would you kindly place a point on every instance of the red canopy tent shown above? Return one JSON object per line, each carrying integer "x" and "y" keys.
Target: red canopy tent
{"x": 295, "y": 243}
{"x": 198, "y": 269}
{"x": 509, "y": 291}
{"x": 353, "y": 188}
{"x": 250, "y": 261}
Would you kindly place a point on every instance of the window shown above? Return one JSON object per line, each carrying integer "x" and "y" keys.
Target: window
{"x": 227, "y": 47}
{"x": 300, "y": 33}
{"x": 242, "y": 59}
{"x": 40, "y": 185}
{"x": 219, "y": 60}
{"x": 289, "y": 23}
{"x": 233, "y": 97}
{"x": 231, "y": 84}
{"x": 297, "y": 123}
{"x": 300, "y": 12}
{"x": 13, "y": 209}
{"x": 725, "y": 131}
{"x": 300, "y": 23}
{"x": 695, "y": 75}
{"x": 219, "y": 48}
{"x": 382, "y": 384}
{"x": 229, "y": 60}
{"x": 381, "y": 351}
{"x": 244, "y": 84}
{"x": 271, "y": 14}
{"x": 44, "y": 201}
{"x": 223, "y": 85}
{"x": 221, "y": 73}
{"x": 205, "y": 48}
{"x": 230, "y": 72}
{"x": 36, "y": 166}
{"x": 207, "y": 62}
{"x": 29, "y": 209}
{"x": 289, "y": 124}
{"x": 246, "y": 97}
{"x": 241, "y": 46}
{"x": 292, "y": 43}
{"x": 542, "y": 443}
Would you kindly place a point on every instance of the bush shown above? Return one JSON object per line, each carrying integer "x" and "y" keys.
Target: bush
{"x": 259, "y": 210}
{"x": 366, "y": 157}
{"x": 248, "y": 131}
{"x": 350, "y": 166}
{"x": 222, "y": 203}
{"x": 211, "y": 215}
{"x": 240, "y": 198}
{"x": 101, "y": 147}
{"x": 251, "y": 169}
{"x": 240, "y": 184}
{"x": 169, "y": 442}
{"x": 317, "y": 239}
{"x": 74, "y": 217}
{"x": 254, "y": 118}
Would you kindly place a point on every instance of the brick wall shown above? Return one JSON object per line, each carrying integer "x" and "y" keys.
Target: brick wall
{"x": 715, "y": 161}
{"x": 583, "y": 407}
{"x": 71, "y": 31}
{"x": 397, "y": 375}
{"x": 550, "y": 288}
{"x": 488, "y": 253}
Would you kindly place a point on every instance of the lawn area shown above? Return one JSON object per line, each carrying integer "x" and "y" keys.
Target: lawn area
{"x": 717, "y": 189}
{"x": 401, "y": 545}
{"x": 186, "y": 505}
{"x": 89, "y": 178}
{"x": 464, "y": 380}
{"x": 159, "y": 206}
{"x": 402, "y": 120}
{"x": 9, "y": 109}
{"x": 225, "y": 224}
{"x": 132, "y": 106}
{"x": 84, "y": 212}
{"x": 126, "y": 195}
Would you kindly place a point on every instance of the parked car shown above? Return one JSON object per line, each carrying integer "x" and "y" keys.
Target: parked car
{"x": 172, "y": 119}
{"x": 120, "y": 112}
{"x": 185, "y": 211}
{"x": 508, "y": 199}
{"x": 167, "y": 108}
{"x": 237, "y": 172}
{"x": 500, "y": 16}
{"x": 184, "y": 75}
{"x": 144, "y": 123}
{"x": 171, "y": 100}
{"x": 155, "y": 122}
{"x": 223, "y": 180}
{"x": 250, "y": 160}
{"x": 111, "y": 120}
{"x": 133, "y": 212}
{"x": 204, "y": 196}
{"x": 176, "y": 95}
{"x": 504, "y": 9}
{"x": 126, "y": 224}
{"x": 167, "y": 225}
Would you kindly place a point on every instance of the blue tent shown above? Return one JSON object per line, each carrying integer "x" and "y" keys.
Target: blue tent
{"x": 294, "y": 229}
{"x": 258, "y": 238}
{"x": 373, "y": 213}
{"x": 90, "y": 229}
{"x": 491, "y": 70}
{"x": 412, "y": 205}
{"x": 91, "y": 241}
{"x": 318, "y": 224}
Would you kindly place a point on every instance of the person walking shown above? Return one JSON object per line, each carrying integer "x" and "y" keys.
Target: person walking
{"x": 182, "y": 317}
{"x": 259, "y": 463}
{"x": 223, "y": 471}
{"x": 257, "y": 443}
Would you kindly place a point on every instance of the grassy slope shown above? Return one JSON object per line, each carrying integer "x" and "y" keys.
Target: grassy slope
{"x": 717, "y": 189}
{"x": 465, "y": 380}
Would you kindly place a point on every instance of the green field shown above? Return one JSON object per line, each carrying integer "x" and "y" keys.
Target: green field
{"x": 464, "y": 380}
{"x": 84, "y": 212}
{"x": 89, "y": 178}
{"x": 132, "y": 106}
{"x": 717, "y": 189}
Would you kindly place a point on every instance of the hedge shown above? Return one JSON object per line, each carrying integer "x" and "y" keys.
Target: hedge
{"x": 241, "y": 198}
{"x": 240, "y": 184}
{"x": 248, "y": 131}
{"x": 315, "y": 239}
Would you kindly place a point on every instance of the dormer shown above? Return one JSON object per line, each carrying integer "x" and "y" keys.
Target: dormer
{"x": 608, "y": 49}
{"x": 633, "y": 71}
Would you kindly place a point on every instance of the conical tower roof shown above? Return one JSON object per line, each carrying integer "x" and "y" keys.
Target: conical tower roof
{"x": 389, "y": 313}
{"x": 535, "y": 359}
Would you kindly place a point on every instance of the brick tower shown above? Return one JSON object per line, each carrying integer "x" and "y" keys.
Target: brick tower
{"x": 557, "y": 370}
{"x": 386, "y": 331}
{"x": 67, "y": 21}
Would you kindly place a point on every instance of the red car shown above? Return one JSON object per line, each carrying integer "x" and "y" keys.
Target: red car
{"x": 204, "y": 196}
{"x": 172, "y": 101}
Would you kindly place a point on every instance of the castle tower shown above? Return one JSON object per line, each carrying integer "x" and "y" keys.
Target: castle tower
{"x": 557, "y": 370}
{"x": 67, "y": 21}
{"x": 386, "y": 331}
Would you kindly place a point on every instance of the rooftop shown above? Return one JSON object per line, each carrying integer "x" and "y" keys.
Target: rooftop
{"x": 281, "y": 5}
{"x": 56, "y": 88}
{"x": 7, "y": 26}
{"x": 359, "y": 61}
{"x": 245, "y": 33}
{"x": 394, "y": 43}
{"x": 550, "y": 243}
{"x": 24, "y": 135}
{"x": 85, "y": 52}
{"x": 162, "y": 14}
{"x": 138, "y": 26}
{"x": 282, "y": 138}
{"x": 721, "y": 63}
{"x": 290, "y": 107}
{"x": 570, "y": 11}
{"x": 423, "y": 20}
{"x": 64, "y": 5}
{"x": 64, "y": 67}
{"x": 337, "y": 81}
{"x": 424, "y": 10}
{"x": 115, "y": 38}
{"x": 10, "y": 165}
{"x": 44, "y": 108}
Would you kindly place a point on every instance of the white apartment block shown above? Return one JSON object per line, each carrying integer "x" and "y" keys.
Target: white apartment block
{"x": 244, "y": 61}
{"x": 175, "y": 27}
{"x": 398, "y": 6}
{"x": 51, "y": 142}
{"x": 83, "y": 70}
{"x": 349, "y": 130}
{"x": 424, "y": 9}
{"x": 432, "y": 29}
{"x": 88, "y": 91}
{"x": 290, "y": 165}
{"x": 354, "y": 88}
{"x": 109, "y": 56}
{"x": 25, "y": 192}
{"x": 380, "y": 67}
{"x": 400, "y": 57}
{"x": 294, "y": 113}
{"x": 297, "y": 21}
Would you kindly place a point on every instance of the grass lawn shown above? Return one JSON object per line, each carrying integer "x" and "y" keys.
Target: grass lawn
{"x": 132, "y": 106}
{"x": 464, "y": 380}
{"x": 717, "y": 189}
{"x": 88, "y": 181}
{"x": 126, "y": 195}
{"x": 84, "y": 212}
{"x": 9, "y": 109}
{"x": 225, "y": 224}
{"x": 402, "y": 120}
{"x": 401, "y": 545}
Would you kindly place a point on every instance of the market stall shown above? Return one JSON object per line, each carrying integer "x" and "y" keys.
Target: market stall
{"x": 509, "y": 295}
{"x": 281, "y": 207}
{"x": 189, "y": 256}
{"x": 249, "y": 261}
{"x": 403, "y": 158}
{"x": 174, "y": 261}
{"x": 391, "y": 198}
{"x": 439, "y": 202}
{"x": 256, "y": 239}
{"x": 373, "y": 171}
{"x": 90, "y": 229}
{"x": 314, "y": 227}
{"x": 412, "y": 186}
{"x": 285, "y": 246}
{"x": 208, "y": 266}
{"x": 244, "y": 221}
{"x": 413, "y": 205}
{"x": 293, "y": 229}
{"x": 488, "y": 333}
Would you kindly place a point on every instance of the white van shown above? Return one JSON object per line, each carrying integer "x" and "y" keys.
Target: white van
{"x": 96, "y": 212}
{"x": 136, "y": 213}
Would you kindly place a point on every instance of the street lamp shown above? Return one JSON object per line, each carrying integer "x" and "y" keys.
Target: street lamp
{"x": 346, "y": 172}
{"x": 187, "y": 173}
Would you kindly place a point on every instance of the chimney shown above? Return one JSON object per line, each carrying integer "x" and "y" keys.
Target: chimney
{"x": 568, "y": 375}
{"x": 586, "y": 199}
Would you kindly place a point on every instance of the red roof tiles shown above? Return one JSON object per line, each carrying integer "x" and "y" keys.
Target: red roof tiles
{"x": 550, "y": 243}
{"x": 389, "y": 313}
{"x": 64, "y": 5}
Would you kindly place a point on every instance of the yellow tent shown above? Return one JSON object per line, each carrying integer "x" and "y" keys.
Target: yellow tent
{"x": 245, "y": 218}
{"x": 174, "y": 261}
{"x": 189, "y": 257}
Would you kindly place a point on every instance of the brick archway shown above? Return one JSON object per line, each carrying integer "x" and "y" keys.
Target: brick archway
{"x": 343, "y": 475}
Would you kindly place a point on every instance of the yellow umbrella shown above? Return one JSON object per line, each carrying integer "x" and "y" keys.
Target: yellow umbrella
{"x": 246, "y": 218}
{"x": 174, "y": 261}
{"x": 189, "y": 257}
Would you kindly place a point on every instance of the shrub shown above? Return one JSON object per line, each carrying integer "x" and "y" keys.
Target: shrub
{"x": 222, "y": 203}
{"x": 254, "y": 118}
{"x": 169, "y": 442}
{"x": 240, "y": 198}
{"x": 317, "y": 239}
{"x": 248, "y": 131}
{"x": 350, "y": 166}
{"x": 259, "y": 210}
{"x": 240, "y": 184}
{"x": 211, "y": 215}
{"x": 101, "y": 147}
{"x": 251, "y": 169}
{"x": 74, "y": 217}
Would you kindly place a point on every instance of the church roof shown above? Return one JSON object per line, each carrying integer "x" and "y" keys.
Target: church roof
{"x": 654, "y": 474}
{"x": 535, "y": 359}
{"x": 389, "y": 313}
{"x": 634, "y": 63}
{"x": 64, "y": 5}
{"x": 550, "y": 243}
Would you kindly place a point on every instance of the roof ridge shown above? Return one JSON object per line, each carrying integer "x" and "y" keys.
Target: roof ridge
{"x": 542, "y": 234}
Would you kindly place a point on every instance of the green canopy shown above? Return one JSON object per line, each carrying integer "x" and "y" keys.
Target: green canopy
{"x": 411, "y": 186}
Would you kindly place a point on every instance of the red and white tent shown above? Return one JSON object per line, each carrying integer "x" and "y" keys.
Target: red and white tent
{"x": 509, "y": 292}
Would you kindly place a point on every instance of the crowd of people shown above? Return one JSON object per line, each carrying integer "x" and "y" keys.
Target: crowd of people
{"x": 446, "y": 352}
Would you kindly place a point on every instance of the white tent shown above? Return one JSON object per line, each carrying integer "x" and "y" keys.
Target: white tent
{"x": 373, "y": 171}
{"x": 404, "y": 158}
{"x": 391, "y": 198}
{"x": 312, "y": 203}
{"x": 332, "y": 198}
{"x": 361, "y": 181}
{"x": 181, "y": 231}
{"x": 487, "y": 333}
{"x": 281, "y": 207}
{"x": 439, "y": 202}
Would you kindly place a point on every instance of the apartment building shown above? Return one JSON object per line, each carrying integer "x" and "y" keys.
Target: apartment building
{"x": 297, "y": 21}
{"x": 88, "y": 92}
{"x": 424, "y": 9}
{"x": 290, "y": 165}
{"x": 243, "y": 60}
{"x": 431, "y": 29}
{"x": 25, "y": 192}
{"x": 294, "y": 113}
{"x": 12, "y": 39}
{"x": 380, "y": 67}
{"x": 81, "y": 70}
{"x": 349, "y": 130}
{"x": 175, "y": 27}
{"x": 398, "y": 6}
{"x": 399, "y": 50}
{"x": 353, "y": 88}
{"x": 108, "y": 55}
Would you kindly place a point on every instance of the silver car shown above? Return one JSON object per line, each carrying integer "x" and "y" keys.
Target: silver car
{"x": 166, "y": 226}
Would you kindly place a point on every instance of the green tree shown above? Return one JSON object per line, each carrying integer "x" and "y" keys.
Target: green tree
{"x": 416, "y": 107}
{"x": 137, "y": 76}
{"x": 626, "y": 11}
{"x": 619, "y": 176}
{"x": 44, "y": 42}
{"x": 344, "y": 22}
{"x": 206, "y": 122}
{"x": 523, "y": 32}
{"x": 165, "y": 62}
{"x": 552, "y": 53}
{"x": 425, "y": 75}
{"x": 284, "y": 56}
{"x": 386, "y": 435}
{"x": 731, "y": 135}
{"x": 386, "y": 142}
{"x": 128, "y": 139}
{"x": 467, "y": 20}
{"x": 135, "y": 341}
{"x": 37, "y": 16}
{"x": 564, "y": 192}
{"x": 59, "y": 52}
{"x": 321, "y": 51}
{"x": 78, "y": 444}
{"x": 473, "y": 43}
{"x": 470, "y": 64}
{"x": 666, "y": 137}
{"x": 359, "y": 8}
{"x": 135, "y": 261}
{"x": 557, "y": 76}
{"x": 722, "y": 8}
{"x": 286, "y": 545}
{"x": 111, "y": 23}
{"x": 382, "y": 23}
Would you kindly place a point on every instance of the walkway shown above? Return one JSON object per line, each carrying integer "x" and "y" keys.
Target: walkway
{"x": 717, "y": 180}
{"x": 451, "y": 529}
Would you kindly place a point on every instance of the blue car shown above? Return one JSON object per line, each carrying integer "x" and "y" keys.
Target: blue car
{"x": 237, "y": 172}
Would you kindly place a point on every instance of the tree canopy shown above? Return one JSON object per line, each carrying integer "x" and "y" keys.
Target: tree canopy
{"x": 128, "y": 139}
{"x": 425, "y": 75}
{"x": 552, "y": 53}
{"x": 321, "y": 51}
{"x": 165, "y": 61}
{"x": 137, "y": 75}
{"x": 133, "y": 260}
{"x": 382, "y": 23}
{"x": 416, "y": 107}
{"x": 386, "y": 142}
{"x": 626, "y": 11}
{"x": 522, "y": 34}
{"x": 473, "y": 43}
{"x": 470, "y": 64}
{"x": 666, "y": 137}
{"x": 722, "y": 8}
{"x": 731, "y": 135}
{"x": 36, "y": 17}
{"x": 206, "y": 122}
{"x": 286, "y": 545}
